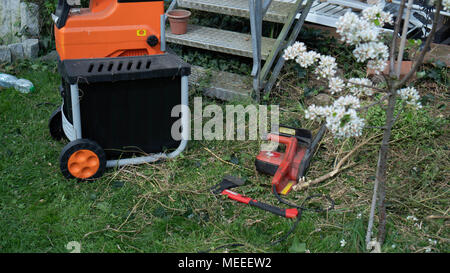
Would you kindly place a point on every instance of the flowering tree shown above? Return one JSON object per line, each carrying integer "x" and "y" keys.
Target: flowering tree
{"x": 344, "y": 118}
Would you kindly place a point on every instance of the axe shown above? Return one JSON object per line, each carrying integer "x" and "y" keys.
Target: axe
{"x": 229, "y": 182}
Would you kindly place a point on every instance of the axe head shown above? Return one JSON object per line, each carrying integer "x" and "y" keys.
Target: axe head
{"x": 228, "y": 182}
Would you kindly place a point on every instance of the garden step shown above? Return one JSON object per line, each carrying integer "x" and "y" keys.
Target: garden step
{"x": 219, "y": 40}
{"x": 222, "y": 85}
{"x": 278, "y": 11}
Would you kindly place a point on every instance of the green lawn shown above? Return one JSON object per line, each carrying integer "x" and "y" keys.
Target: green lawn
{"x": 167, "y": 207}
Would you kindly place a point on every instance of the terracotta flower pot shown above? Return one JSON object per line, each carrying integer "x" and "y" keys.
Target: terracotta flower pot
{"x": 178, "y": 19}
{"x": 406, "y": 67}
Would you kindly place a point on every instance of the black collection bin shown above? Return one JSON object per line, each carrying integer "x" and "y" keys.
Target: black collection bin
{"x": 117, "y": 108}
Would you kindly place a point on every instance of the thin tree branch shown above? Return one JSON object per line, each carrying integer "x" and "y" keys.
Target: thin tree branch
{"x": 424, "y": 50}
{"x": 367, "y": 86}
{"x": 336, "y": 169}
{"x": 403, "y": 40}
{"x": 380, "y": 180}
{"x": 374, "y": 103}
{"x": 394, "y": 37}
{"x": 361, "y": 85}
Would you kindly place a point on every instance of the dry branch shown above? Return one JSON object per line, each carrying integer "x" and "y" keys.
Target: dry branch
{"x": 338, "y": 168}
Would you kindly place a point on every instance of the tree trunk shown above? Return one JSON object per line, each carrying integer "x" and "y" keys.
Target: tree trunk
{"x": 394, "y": 83}
{"x": 381, "y": 175}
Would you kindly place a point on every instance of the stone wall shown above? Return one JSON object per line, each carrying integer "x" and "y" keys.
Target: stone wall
{"x": 19, "y": 30}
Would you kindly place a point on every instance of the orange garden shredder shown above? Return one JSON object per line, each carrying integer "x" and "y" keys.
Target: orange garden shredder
{"x": 119, "y": 87}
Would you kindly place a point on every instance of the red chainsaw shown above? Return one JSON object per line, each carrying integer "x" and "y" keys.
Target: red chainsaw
{"x": 290, "y": 166}
{"x": 286, "y": 167}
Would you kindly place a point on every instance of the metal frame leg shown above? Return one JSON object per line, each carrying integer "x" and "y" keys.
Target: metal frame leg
{"x": 185, "y": 125}
{"x": 163, "y": 32}
{"x": 256, "y": 15}
{"x": 76, "y": 116}
{"x": 276, "y": 71}
{"x": 281, "y": 41}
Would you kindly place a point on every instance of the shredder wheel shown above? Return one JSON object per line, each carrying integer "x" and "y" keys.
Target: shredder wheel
{"x": 55, "y": 125}
{"x": 83, "y": 159}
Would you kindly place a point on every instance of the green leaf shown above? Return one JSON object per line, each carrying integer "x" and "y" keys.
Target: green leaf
{"x": 434, "y": 75}
{"x": 377, "y": 22}
{"x": 421, "y": 74}
{"x": 345, "y": 119}
{"x": 310, "y": 91}
{"x": 440, "y": 64}
{"x": 297, "y": 247}
{"x": 301, "y": 72}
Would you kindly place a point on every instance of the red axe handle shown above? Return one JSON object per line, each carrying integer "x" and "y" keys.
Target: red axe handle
{"x": 288, "y": 213}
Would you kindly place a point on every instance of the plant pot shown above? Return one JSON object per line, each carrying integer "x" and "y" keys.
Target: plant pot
{"x": 406, "y": 67}
{"x": 178, "y": 19}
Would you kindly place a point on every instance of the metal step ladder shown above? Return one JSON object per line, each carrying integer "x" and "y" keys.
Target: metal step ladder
{"x": 327, "y": 13}
{"x": 265, "y": 52}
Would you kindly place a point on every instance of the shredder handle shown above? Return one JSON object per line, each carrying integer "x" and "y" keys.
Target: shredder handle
{"x": 62, "y": 13}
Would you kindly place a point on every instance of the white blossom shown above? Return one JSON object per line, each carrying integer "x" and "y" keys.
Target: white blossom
{"x": 343, "y": 242}
{"x": 327, "y": 67}
{"x": 371, "y": 51}
{"x": 307, "y": 58}
{"x": 344, "y": 123}
{"x": 354, "y": 30}
{"x": 347, "y": 101}
{"x": 341, "y": 117}
{"x": 411, "y": 96}
{"x": 317, "y": 112}
{"x": 336, "y": 85}
{"x": 360, "y": 86}
{"x": 363, "y": 32}
{"x": 377, "y": 65}
{"x": 376, "y": 15}
{"x": 446, "y": 5}
{"x": 411, "y": 217}
{"x": 368, "y": 32}
{"x": 291, "y": 52}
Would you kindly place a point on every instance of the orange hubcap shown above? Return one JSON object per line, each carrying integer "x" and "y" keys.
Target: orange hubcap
{"x": 83, "y": 164}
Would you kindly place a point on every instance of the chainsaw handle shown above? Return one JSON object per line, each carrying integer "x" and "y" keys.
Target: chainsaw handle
{"x": 281, "y": 139}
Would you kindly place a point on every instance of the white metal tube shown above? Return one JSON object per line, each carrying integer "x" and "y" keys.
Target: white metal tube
{"x": 163, "y": 32}
{"x": 76, "y": 116}
{"x": 184, "y": 133}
